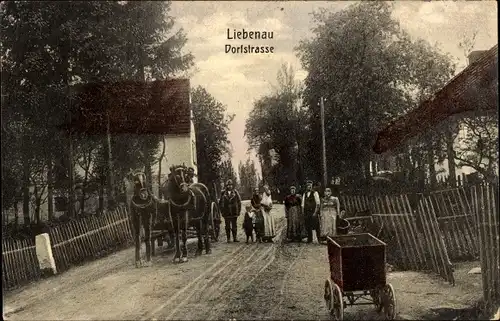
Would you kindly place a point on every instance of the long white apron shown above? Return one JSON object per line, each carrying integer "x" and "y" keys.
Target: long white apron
{"x": 269, "y": 230}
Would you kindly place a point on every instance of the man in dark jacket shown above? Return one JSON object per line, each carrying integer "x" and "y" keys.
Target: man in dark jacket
{"x": 310, "y": 208}
{"x": 230, "y": 206}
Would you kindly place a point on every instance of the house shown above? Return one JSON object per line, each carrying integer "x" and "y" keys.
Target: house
{"x": 474, "y": 90}
{"x": 161, "y": 108}
{"x": 180, "y": 148}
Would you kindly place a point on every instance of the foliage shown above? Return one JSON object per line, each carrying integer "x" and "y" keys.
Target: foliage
{"x": 478, "y": 147}
{"x": 226, "y": 172}
{"x": 49, "y": 47}
{"x": 275, "y": 124}
{"x": 369, "y": 71}
{"x": 211, "y": 124}
{"x": 248, "y": 177}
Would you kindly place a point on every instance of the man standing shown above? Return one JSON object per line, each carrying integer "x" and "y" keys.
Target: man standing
{"x": 230, "y": 206}
{"x": 310, "y": 207}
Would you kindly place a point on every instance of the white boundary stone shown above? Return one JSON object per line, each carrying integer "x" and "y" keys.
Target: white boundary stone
{"x": 44, "y": 253}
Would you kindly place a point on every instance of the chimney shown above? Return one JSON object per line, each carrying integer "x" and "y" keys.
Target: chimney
{"x": 475, "y": 56}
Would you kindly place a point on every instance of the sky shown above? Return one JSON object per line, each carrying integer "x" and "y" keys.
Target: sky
{"x": 237, "y": 80}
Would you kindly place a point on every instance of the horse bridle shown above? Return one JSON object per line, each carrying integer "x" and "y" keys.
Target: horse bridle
{"x": 139, "y": 177}
{"x": 182, "y": 176}
{"x": 142, "y": 205}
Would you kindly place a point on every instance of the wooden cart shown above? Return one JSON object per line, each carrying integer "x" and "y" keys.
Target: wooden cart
{"x": 159, "y": 231}
{"x": 357, "y": 275}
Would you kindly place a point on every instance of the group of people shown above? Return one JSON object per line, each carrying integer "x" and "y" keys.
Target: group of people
{"x": 308, "y": 212}
{"x": 305, "y": 214}
{"x": 258, "y": 219}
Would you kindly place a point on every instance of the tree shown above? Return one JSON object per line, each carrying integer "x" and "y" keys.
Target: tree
{"x": 431, "y": 72}
{"x": 211, "y": 124}
{"x": 275, "y": 124}
{"x": 368, "y": 70}
{"x": 478, "y": 147}
{"x": 226, "y": 172}
{"x": 48, "y": 48}
{"x": 248, "y": 177}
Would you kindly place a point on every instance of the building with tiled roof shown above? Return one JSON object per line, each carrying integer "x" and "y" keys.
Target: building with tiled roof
{"x": 473, "y": 90}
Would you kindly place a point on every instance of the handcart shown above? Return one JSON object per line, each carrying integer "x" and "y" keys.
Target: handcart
{"x": 358, "y": 275}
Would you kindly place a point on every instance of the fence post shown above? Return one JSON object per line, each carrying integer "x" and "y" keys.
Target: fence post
{"x": 44, "y": 254}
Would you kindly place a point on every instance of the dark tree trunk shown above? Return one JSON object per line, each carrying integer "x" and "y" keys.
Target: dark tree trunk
{"x": 50, "y": 190}
{"x": 84, "y": 195}
{"x": 16, "y": 214}
{"x": 71, "y": 190}
{"x": 38, "y": 202}
{"x": 450, "y": 154}
{"x": 160, "y": 162}
{"x": 149, "y": 174}
{"x": 109, "y": 159}
{"x": 432, "y": 168}
{"x": 102, "y": 185}
{"x": 420, "y": 173}
{"x": 26, "y": 190}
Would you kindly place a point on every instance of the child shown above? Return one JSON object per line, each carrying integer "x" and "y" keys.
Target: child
{"x": 248, "y": 222}
{"x": 259, "y": 225}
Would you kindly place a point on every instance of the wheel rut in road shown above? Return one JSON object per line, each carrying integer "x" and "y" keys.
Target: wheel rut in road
{"x": 266, "y": 297}
{"x": 206, "y": 296}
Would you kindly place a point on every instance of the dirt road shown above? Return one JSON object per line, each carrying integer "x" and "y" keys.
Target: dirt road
{"x": 254, "y": 281}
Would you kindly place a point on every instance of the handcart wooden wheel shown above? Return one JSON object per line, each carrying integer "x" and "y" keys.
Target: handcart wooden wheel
{"x": 357, "y": 264}
{"x": 334, "y": 301}
{"x": 388, "y": 302}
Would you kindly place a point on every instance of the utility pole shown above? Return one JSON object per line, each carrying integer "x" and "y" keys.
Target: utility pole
{"x": 323, "y": 139}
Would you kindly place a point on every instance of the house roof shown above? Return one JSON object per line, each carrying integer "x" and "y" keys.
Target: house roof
{"x": 472, "y": 90}
{"x": 159, "y": 107}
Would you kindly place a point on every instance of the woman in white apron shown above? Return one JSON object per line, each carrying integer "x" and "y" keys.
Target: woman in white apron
{"x": 267, "y": 204}
{"x": 330, "y": 208}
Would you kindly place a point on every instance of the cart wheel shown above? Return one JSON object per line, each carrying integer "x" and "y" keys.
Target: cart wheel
{"x": 214, "y": 233}
{"x": 389, "y": 302}
{"x": 333, "y": 300}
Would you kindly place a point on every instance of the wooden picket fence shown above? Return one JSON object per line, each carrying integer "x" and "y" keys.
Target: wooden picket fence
{"x": 456, "y": 221}
{"x": 19, "y": 263}
{"x": 434, "y": 240}
{"x": 91, "y": 237}
{"x": 356, "y": 203}
{"x": 72, "y": 243}
{"x": 414, "y": 239}
{"x": 398, "y": 226}
{"x": 446, "y": 226}
{"x": 485, "y": 208}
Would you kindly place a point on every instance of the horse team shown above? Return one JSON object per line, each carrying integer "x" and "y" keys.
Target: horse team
{"x": 185, "y": 204}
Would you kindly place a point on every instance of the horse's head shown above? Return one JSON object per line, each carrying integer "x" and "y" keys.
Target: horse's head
{"x": 139, "y": 183}
{"x": 179, "y": 178}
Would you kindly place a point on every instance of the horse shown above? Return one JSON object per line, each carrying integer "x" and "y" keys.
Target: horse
{"x": 189, "y": 206}
{"x": 144, "y": 207}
